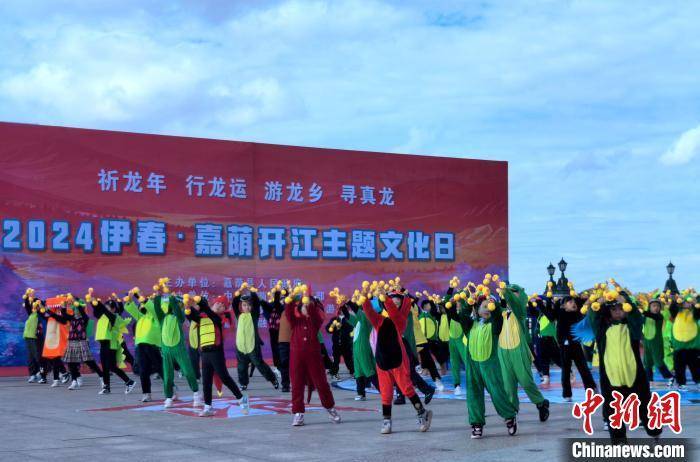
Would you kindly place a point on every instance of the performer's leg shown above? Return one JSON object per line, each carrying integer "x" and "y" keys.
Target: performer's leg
{"x": 298, "y": 378}
{"x": 317, "y": 373}
{"x": 582, "y": 366}
{"x": 218, "y": 361}
{"x": 284, "y": 364}
{"x": 476, "y": 407}
{"x": 168, "y": 371}
{"x": 243, "y": 362}
{"x": 262, "y": 366}
{"x": 566, "y": 361}
{"x": 181, "y": 357}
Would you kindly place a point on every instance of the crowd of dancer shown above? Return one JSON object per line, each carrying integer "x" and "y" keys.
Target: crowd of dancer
{"x": 388, "y": 338}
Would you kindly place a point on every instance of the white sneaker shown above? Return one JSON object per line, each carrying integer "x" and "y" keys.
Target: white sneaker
{"x": 31, "y": 379}
{"x": 439, "y": 385}
{"x": 298, "y": 420}
{"x": 360, "y": 398}
{"x": 179, "y": 374}
{"x": 419, "y": 369}
{"x": 278, "y": 374}
{"x": 80, "y": 381}
{"x": 567, "y": 399}
{"x": 333, "y": 415}
{"x": 55, "y": 383}
{"x": 168, "y": 403}
{"x": 425, "y": 420}
{"x": 74, "y": 385}
{"x": 208, "y": 411}
{"x": 146, "y": 398}
{"x": 129, "y": 386}
{"x": 386, "y": 426}
{"x": 65, "y": 377}
{"x": 680, "y": 387}
{"x": 104, "y": 391}
{"x": 458, "y": 390}
{"x": 102, "y": 382}
{"x": 197, "y": 400}
{"x": 545, "y": 380}
{"x": 244, "y": 402}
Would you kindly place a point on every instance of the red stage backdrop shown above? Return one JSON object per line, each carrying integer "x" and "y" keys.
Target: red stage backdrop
{"x": 109, "y": 210}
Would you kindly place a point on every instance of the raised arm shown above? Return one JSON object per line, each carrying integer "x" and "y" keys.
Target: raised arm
{"x": 497, "y": 317}
{"x": 374, "y": 318}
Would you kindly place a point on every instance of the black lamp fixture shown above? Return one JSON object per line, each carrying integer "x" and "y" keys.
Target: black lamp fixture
{"x": 561, "y": 288}
{"x": 562, "y": 265}
{"x": 670, "y": 268}
{"x": 550, "y": 271}
{"x": 670, "y": 283}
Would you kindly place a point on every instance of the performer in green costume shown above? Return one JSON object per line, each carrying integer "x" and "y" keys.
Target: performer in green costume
{"x": 514, "y": 353}
{"x": 685, "y": 314}
{"x": 483, "y": 326}
{"x": 170, "y": 315}
{"x": 362, "y": 355}
{"x": 616, "y": 323}
{"x": 147, "y": 339}
{"x": 653, "y": 339}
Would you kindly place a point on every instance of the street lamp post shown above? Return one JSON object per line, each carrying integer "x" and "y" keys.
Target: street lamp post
{"x": 550, "y": 270}
{"x": 671, "y": 283}
{"x": 562, "y": 286}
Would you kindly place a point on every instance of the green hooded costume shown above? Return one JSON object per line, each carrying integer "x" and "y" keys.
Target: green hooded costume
{"x": 170, "y": 317}
{"x": 483, "y": 368}
{"x": 513, "y": 350}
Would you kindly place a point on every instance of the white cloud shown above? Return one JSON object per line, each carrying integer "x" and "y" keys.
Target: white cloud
{"x": 684, "y": 149}
{"x": 579, "y": 97}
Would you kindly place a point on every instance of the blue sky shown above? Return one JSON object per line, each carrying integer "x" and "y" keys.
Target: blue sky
{"x": 596, "y": 105}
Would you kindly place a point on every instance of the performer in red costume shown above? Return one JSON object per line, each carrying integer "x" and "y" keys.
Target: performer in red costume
{"x": 392, "y": 362}
{"x": 305, "y": 316}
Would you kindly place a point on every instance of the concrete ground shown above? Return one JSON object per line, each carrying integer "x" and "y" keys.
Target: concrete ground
{"x": 42, "y": 423}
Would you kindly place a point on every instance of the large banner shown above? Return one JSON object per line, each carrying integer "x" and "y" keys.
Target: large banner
{"x": 109, "y": 210}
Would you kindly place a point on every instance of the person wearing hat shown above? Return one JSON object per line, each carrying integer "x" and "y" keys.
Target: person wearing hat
{"x": 147, "y": 339}
{"x": 481, "y": 319}
{"x": 514, "y": 351}
{"x": 393, "y": 366}
{"x": 305, "y": 317}
{"x": 685, "y": 315}
{"x": 653, "y": 340}
{"x": 210, "y": 334}
{"x": 617, "y": 322}
{"x": 246, "y": 307}
{"x": 566, "y": 312}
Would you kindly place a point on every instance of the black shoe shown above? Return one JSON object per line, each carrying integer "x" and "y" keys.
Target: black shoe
{"x": 401, "y": 399}
{"x": 429, "y": 396}
{"x": 276, "y": 384}
{"x": 512, "y": 426}
{"x": 477, "y": 431}
{"x": 244, "y": 387}
{"x": 543, "y": 408}
{"x": 286, "y": 389}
